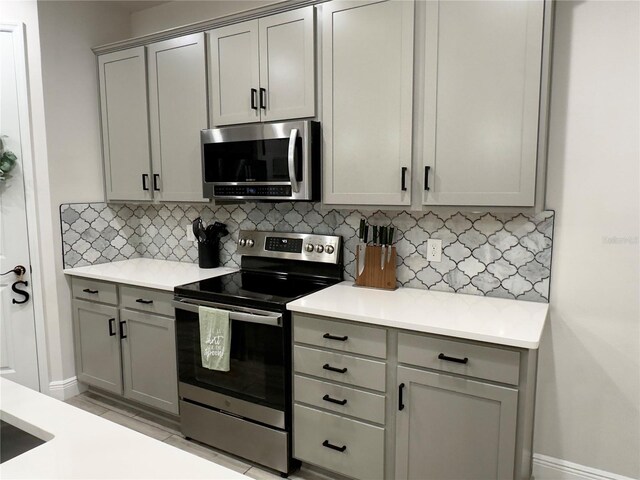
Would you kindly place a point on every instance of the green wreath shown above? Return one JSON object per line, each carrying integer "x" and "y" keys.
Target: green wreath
{"x": 8, "y": 160}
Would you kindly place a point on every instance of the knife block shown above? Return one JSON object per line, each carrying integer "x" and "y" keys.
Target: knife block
{"x": 374, "y": 275}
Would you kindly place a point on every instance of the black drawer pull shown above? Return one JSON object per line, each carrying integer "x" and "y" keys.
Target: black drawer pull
{"x": 145, "y": 178}
{"x": 88, "y": 290}
{"x": 400, "y": 401}
{"x": 334, "y": 447}
{"x": 156, "y": 177}
{"x": 327, "y": 398}
{"x": 112, "y": 324}
{"x": 263, "y": 99}
{"x": 142, "y": 300}
{"x": 254, "y": 94}
{"x": 122, "y": 334}
{"x": 426, "y": 177}
{"x": 403, "y": 185}
{"x": 333, "y": 337}
{"x": 442, "y": 356}
{"x": 326, "y": 366}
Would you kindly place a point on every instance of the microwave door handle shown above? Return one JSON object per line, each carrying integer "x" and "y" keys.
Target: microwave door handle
{"x": 292, "y": 159}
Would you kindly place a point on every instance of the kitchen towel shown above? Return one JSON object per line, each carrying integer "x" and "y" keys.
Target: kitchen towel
{"x": 215, "y": 338}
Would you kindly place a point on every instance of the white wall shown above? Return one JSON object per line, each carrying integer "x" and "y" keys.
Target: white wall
{"x": 68, "y": 30}
{"x": 184, "y": 12}
{"x": 588, "y": 402}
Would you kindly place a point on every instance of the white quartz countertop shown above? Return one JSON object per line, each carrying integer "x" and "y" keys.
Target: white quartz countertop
{"x": 83, "y": 445}
{"x": 148, "y": 272}
{"x": 514, "y": 323}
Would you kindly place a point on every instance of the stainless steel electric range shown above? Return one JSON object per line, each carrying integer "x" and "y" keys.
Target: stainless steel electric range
{"x": 247, "y": 410}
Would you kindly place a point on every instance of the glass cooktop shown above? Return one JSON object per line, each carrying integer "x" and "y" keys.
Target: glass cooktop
{"x": 253, "y": 289}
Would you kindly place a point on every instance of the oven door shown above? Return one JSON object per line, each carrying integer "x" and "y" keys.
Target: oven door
{"x": 264, "y": 161}
{"x": 255, "y": 386}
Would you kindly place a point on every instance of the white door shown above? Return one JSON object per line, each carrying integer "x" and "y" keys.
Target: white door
{"x": 19, "y": 361}
{"x": 177, "y": 113}
{"x": 287, "y": 66}
{"x": 234, "y": 74}
{"x": 367, "y": 92}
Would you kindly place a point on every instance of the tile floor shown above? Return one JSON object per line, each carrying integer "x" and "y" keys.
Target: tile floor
{"x": 166, "y": 431}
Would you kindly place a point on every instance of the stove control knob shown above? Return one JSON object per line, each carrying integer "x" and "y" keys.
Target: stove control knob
{"x": 329, "y": 249}
{"x": 249, "y": 243}
{"x": 319, "y": 249}
{"x": 242, "y": 242}
{"x": 309, "y": 248}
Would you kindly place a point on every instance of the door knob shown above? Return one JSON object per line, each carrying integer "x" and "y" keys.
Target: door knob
{"x": 19, "y": 270}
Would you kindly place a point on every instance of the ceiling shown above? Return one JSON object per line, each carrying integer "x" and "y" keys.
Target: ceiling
{"x": 137, "y": 5}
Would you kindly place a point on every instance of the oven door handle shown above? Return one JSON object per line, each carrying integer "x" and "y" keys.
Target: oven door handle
{"x": 266, "y": 318}
{"x": 292, "y": 160}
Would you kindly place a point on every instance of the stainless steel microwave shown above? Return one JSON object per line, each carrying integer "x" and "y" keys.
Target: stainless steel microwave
{"x": 269, "y": 161}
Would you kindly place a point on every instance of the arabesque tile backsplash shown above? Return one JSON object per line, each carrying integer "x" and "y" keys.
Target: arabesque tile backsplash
{"x": 494, "y": 254}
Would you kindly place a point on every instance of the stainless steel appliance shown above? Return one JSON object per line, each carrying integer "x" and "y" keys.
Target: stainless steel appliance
{"x": 267, "y": 161}
{"x": 247, "y": 410}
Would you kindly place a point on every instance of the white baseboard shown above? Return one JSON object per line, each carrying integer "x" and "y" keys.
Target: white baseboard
{"x": 65, "y": 389}
{"x": 550, "y": 468}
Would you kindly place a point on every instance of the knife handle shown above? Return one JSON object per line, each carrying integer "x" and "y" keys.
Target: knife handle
{"x": 375, "y": 234}
{"x": 366, "y": 234}
{"x": 361, "y": 229}
{"x": 383, "y": 235}
{"x": 390, "y": 236}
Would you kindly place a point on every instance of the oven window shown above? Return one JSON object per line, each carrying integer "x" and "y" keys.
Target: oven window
{"x": 257, "y": 366}
{"x": 250, "y": 161}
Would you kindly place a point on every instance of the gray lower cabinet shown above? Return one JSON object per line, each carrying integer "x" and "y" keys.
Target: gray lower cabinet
{"x": 149, "y": 359}
{"x": 122, "y": 350}
{"x": 97, "y": 345}
{"x": 453, "y": 428}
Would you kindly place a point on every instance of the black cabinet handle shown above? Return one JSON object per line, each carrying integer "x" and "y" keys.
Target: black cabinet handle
{"x": 145, "y": 178}
{"x": 263, "y": 98}
{"x": 112, "y": 324}
{"x": 442, "y": 356}
{"x": 122, "y": 324}
{"x": 146, "y": 302}
{"x": 426, "y": 177}
{"x": 404, "y": 179}
{"x": 156, "y": 176}
{"x": 327, "y": 398}
{"x": 88, "y": 290}
{"x": 333, "y": 337}
{"x": 326, "y": 366}
{"x": 400, "y": 401}
{"x": 254, "y": 99}
{"x": 334, "y": 447}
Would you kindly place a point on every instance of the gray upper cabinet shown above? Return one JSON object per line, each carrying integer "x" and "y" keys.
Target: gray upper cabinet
{"x": 125, "y": 125}
{"x": 263, "y": 70}
{"x": 97, "y": 345}
{"x": 177, "y": 113}
{"x": 367, "y": 102}
{"x": 149, "y": 360}
{"x": 160, "y": 95}
{"x": 452, "y": 428}
{"x": 482, "y": 102}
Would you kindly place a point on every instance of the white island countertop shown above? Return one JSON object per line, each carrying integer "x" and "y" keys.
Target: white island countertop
{"x": 515, "y": 323}
{"x": 83, "y": 445}
{"x": 148, "y": 272}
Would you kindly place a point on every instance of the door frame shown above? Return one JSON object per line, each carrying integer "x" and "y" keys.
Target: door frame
{"x": 18, "y": 33}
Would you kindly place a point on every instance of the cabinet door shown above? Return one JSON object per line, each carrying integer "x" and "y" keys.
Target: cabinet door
{"x": 149, "y": 360}
{"x": 125, "y": 124}
{"x": 234, "y": 75}
{"x": 453, "y": 428}
{"x": 97, "y": 345}
{"x": 287, "y": 66}
{"x": 177, "y": 113}
{"x": 367, "y": 88}
{"x": 482, "y": 67}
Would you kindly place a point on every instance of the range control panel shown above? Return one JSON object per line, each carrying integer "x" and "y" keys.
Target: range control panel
{"x": 293, "y": 246}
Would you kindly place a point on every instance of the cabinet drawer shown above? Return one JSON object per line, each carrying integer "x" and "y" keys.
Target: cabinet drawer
{"x": 356, "y": 403}
{"x": 352, "y": 370}
{"x": 489, "y": 363}
{"x": 362, "y": 445}
{"x": 341, "y": 336}
{"x": 153, "y": 301}
{"x": 94, "y": 290}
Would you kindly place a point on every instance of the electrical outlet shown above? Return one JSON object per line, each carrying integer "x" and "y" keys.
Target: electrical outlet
{"x": 190, "y": 235}
{"x": 434, "y": 250}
